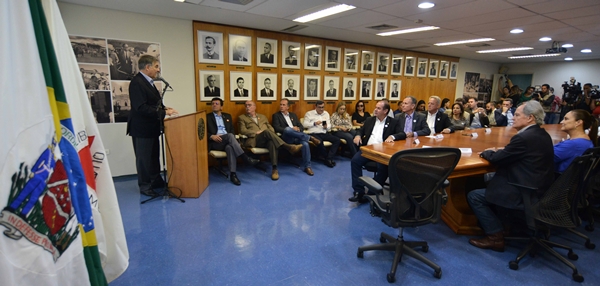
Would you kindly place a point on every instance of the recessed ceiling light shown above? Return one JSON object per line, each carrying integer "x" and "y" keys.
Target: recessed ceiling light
{"x": 535, "y": 56}
{"x": 516, "y": 31}
{"x": 545, "y": 39}
{"x": 568, "y": 59}
{"x": 505, "y": 50}
{"x": 465, "y": 42}
{"x": 179, "y": 0}
{"x": 324, "y": 13}
{"x": 586, "y": 51}
{"x": 405, "y": 31}
{"x": 426, "y": 5}
{"x": 567, "y": 45}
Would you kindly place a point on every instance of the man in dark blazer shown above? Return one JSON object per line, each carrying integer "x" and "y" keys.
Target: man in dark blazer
{"x": 348, "y": 92}
{"x": 366, "y": 90}
{"x": 239, "y": 52}
{"x": 267, "y": 57}
{"x": 394, "y": 94}
{"x": 505, "y": 116}
{"x": 290, "y": 91}
{"x": 144, "y": 124}
{"x": 365, "y": 136}
{"x": 211, "y": 90}
{"x": 240, "y": 91}
{"x": 291, "y": 59}
{"x": 331, "y": 92}
{"x": 368, "y": 65}
{"x": 437, "y": 121}
{"x": 409, "y": 67}
{"x": 413, "y": 124}
{"x": 396, "y": 66}
{"x": 267, "y": 91}
{"x": 221, "y": 138}
{"x": 527, "y": 161}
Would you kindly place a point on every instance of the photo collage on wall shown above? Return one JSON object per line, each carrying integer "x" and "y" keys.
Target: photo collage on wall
{"x": 107, "y": 66}
{"x": 478, "y": 86}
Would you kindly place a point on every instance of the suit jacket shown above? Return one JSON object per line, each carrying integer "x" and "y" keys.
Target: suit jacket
{"x": 236, "y": 57}
{"x": 215, "y": 93}
{"x": 409, "y": 70}
{"x": 419, "y": 124}
{"x": 331, "y": 94}
{"x": 442, "y": 121}
{"x": 368, "y": 67}
{"x": 502, "y": 120}
{"x": 365, "y": 93}
{"x": 214, "y": 56}
{"x": 349, "y": 94}
{"x": 453, "y": 73}
{"x": 396, "y": 68}
{"x": 211, "y": 125}
{"x": 484, "y": 120}
{"x": 443, "y": 73}
{"x": 248, "y": 127}
{"x": 294, "y": 93}
{"x": 394, "y": 94}
{"x": 264, "y": 59}
{"x": 236, "y": 93}
{"x": 263, "y": 93}
{"x": 147, "y": 111}
{"x": 279, "y": 123}
{"x": 381, "y": 94}
{"x": 391, "y": 127}
{"x": 528, "y": 160}
{"x": 381, "y": 68}
{"x": 291, "y": 61}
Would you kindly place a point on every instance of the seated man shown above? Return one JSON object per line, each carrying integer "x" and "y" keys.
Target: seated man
{"x": 478, "y": 119}
{"x": 505, "y": 116}
{"x": 377, "y": 129}
{"x": 528, "y": 160}
{"x": 291, "y": 130}
{"x": 261, "y": 134}
{"x": 318, "y": 124}
{"x": 413, "y": 124}
{"x": 437, "y": 121}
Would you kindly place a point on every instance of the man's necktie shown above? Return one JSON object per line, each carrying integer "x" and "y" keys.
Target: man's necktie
{"x": 408, "y": 124}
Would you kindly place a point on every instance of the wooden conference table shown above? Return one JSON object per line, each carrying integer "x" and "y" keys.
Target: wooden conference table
{"x": 456, "y": 213}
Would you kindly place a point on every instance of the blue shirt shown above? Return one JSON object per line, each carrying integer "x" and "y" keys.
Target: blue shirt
{"x": 566, "y": 151}
{"x": 220, "y": 124}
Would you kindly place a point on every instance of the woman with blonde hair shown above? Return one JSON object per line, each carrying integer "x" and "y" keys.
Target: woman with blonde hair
{"x": 342, "y": 121}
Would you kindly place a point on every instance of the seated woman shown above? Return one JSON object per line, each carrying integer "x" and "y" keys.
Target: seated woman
{"x": 445, "y": 104}
{"x": 360, "y": 115}
{"x": 575, "y": 123}
{"x": 458, "y": 120}
{"x": 421, "y": 106}
{"x": 340, "y": 120}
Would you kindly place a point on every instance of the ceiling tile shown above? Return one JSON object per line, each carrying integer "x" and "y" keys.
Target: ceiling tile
{"x": 230, "y": 6}
{"x": 363, "y": 18}
{"x": 559, "y": 5}
{"x": 284, "y": 8}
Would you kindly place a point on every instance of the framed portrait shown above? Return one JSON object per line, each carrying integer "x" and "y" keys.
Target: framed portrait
{"x": 444, "y": 68}
{"x": 332, "y": 61}
{"x": 313, "y": 57}
{"x": 350, "y": 60}
{"x": 383, "y": 63}
{"x": 210, "y": 47}
{"x": 367, "y": 62}
{"x": 312, "y": 87}
{"x": 409, "y": 69}
{"x": 366, "y": 88}
{"x": 290, "y": 86}
{"x": 212, "y": 84}
{"x": 290, "y": 55}
{"x": 395, "y": 90}
{"x": 266, "y": 52}
{"x": 434, "y": 68}
{"x": 266, "y": 86}
{"x": 422, "y": 67}
{"x": 381, "y": 89}
{"x": 331, "y": 87}
{"x": 240, "y": 50}
{"x": 349, "y": 88}
{"x": 453, "y": 70}
{"x": 396, "y": 68}
{"x": 240, "y": 86}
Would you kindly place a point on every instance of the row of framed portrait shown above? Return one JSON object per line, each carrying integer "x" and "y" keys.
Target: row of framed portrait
{"x": 240, "y": 52}
{"x": 312, "y": 87}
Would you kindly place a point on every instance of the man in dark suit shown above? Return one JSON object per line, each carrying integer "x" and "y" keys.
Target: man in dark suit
{"x": 444, "y": 70}
{"x": 313, "y": 57}
{"x": 376, "y": 129}
{"x": 220, "y": 137}
{"x": 144, "y": 124}
{"x": 395, "y": 94}
{"x": 239, "y": 52}
{"x": 380, "y": 91}
{"x": 312, "y": 88}
{"x": 331, "y": 92}
{"x": 382, "y": 67}
{"x": 211, "y": 90}
{"x": 351, "y": 62}
{"x": 290, "y": 91}
{"x": 348, "y": 92}
{"x": 421, "y": 68}
{"x": 366, "y": 90}
{"x": 505, "y": 116}
{"x": 267, "y": 57}
{"x": 409, "y": 67}
{"x": 413, "y": 124}
{"x": 332, "y": 59}
{"x": 396, "y": 66}
{"x": 527, "y": 161}
{"x": 453, "y": 71}
{"x": 433, "y": 70}
{"x": 267, "y": 91}
{"x": 125, "y": 63}
{"x": 210, "y": 45}
{"x": 240, "y": 91}
{"x": 367, "y": 64}
{"x": 291, "y": 59}
{"x": 438, "y": 121}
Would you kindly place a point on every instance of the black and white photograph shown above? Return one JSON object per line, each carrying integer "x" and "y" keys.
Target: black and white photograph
{"x": 383, "y": 62}
{"x": 290, "y": 86}
{"x": 101, "y": 106}
{"x": 396, "y": 68}
{"x": 367, "y": 62}
{"x": 395, "y": 90}
{"x": 434, "y": 68}
{"x": 422, "y": 67}
{"x": 366, "y": 89}
{"x": 212, "y": 84}
{"x": 409, "y": 69}
{"x": 266, "y": 86}
{"x": 124, "y": 55}
{"x": 290, "y": 55}
{"x": 381, "y": 89}
{"x": 471, "y": 87}
{"x": 332, "y": 61}
{"x": 240, "y": 50}
{"x": 240, "y": 86}
{"x": 95, "y": 77}
{"x": 331, "y": 87}
{"x": 349, "y": 86}
{"x": 444, "y": 69}
{"x": 313, "y": 57}
{"x": 89, "y": 50}
{"x": 266, "y": 52}
{"x": 350, "y": 60}
{"x": 453, "y": 70}
{"x": 210, "y": 47}
{"x": 120, "y": 101}
{"x": 312, "y": 87}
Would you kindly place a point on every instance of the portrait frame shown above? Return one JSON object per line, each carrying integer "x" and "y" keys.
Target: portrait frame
{"x": 307, "y": 79}
{"x": 310, "y": 48}
{"x": 434, "y": 68}
{"x": 262, "y": 62}
{"x": 350, "y": 55}
{"x": 246, "y": 55}
{"x": 453, "y": 73}
{"x": 386, "y": 66}
{"x": 369, "y": 94}
{"x": 297, "y": 47}
{"x": 260, "y": 79}
{"x": 335, "y": 62}
{"x": 397, "y": 60}
{"x": 364, "y": 62}
{"x": 444, "y": 69}
{"x": 202, "y": 51}
{"x": 284, "y": 86}
{"x": 399, "y": 83}
{"x": 409, "y": 66}
{"x": 336, "y": 86}
{"x": 203, "y": 80}
{"x": 422, "y": 67}
{"x": 233, "y": 76}
{"x": 346, "y": 80}
{"x": 384, "y": 82}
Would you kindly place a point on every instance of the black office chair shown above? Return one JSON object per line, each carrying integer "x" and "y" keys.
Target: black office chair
{"x": 593, "y": 193}
{"x": 414, "y": 198}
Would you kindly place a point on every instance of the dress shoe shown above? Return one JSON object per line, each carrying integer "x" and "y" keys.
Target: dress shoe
{"x": 149, "y": 192}
{"x": 494, "y": 242}
{"x": 315, "y": 140}
{"x": 251, "y": 161}
{"x": 275, "y": 175}
{"x": 329, "y": 163}
{"x": 309, "y": 171}
{"x": 293, "y": 148}
{"x": 234, "y": 179}
{"x": 358, "y": 198}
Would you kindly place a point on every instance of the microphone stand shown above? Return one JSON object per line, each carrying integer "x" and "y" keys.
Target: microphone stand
{"x": 167, "y": 193}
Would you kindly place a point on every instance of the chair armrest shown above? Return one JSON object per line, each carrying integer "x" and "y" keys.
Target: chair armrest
{"x": 371, "y": 184}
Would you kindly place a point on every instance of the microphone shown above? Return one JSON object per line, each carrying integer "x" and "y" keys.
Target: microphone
{"x": 163, "y": 80}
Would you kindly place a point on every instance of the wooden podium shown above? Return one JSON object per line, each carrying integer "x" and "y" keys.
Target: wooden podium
{"x": 187, "y": 154}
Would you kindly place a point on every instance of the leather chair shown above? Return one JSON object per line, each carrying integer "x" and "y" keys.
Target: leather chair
{"x": 415, "y": 198}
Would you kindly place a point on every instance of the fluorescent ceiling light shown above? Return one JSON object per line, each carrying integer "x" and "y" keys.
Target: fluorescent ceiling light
{"x": 586, "y": 51}
{"x": 406, "y": 31}
{"x": 426, "y": 5}
{"x": 505, "y": 50}
{"x": 545, "y": 39}
{"x": 324, "y": 13}
{"x": 179, "y": 0}
{"x": 567, "y": 45}
{"x": 535, "y": 56}
{"x": 516, "y": 31}
{"x": 568, "y": 59}
{"x": 465, "y": 42}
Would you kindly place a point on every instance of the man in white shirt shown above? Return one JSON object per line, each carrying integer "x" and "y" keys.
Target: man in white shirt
{"x": 437, "y": 121}
{"x": 318, "y": 124}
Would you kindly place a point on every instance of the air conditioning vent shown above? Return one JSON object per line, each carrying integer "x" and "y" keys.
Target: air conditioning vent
{"x": 237, "y": 2}
{"x": 478, "y": 45}
{"x": 382, "y": 27}
{"x": 294, "y": 28}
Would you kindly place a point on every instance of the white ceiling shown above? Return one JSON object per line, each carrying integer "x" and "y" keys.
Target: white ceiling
{"x": 576, "y": 22}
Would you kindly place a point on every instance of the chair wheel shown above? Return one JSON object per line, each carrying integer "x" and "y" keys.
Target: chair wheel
{"x": 572, "y": 255}
{"x": 359, "y": 254}
{"x": 438, "y": 274}
{"x": 513, "y": 265}
{"x": 577, "y": 277}
{"x": 589, "y": 227}
{"x": 425, "y": 248}
{"x": 589, "y": 245}
{"x": 391, "y": 278}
